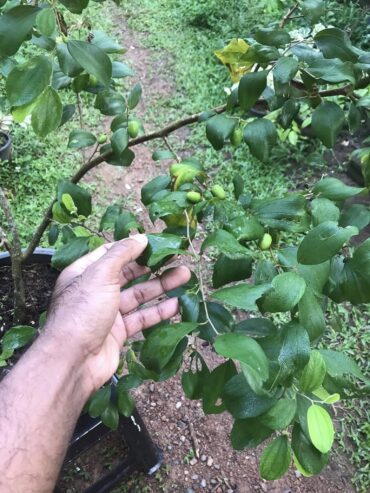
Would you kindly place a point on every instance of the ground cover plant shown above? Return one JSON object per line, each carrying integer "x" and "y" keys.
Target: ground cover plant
{"x": 294, "y": 250}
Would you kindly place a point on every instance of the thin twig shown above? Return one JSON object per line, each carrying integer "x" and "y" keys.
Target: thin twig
{"x": 171, "y": 149}
{"x": 200, "y": 273}
{"x": 16, "y": 247}
{"x": 286, "y": 18}
{"x": 193, "y": 438}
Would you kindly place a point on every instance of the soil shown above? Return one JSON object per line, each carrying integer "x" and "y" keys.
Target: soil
{"x": 39, "y": 281}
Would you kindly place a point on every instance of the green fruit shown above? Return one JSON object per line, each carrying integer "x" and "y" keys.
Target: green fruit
{"x": 266, "y": 241}
{"x": 194, "y": 197}
{"x": 102, "y": 139}
{"x": 175, "y": 169}
{"x": 218, "y": 191}
{"x": 236, "y": 137}
{"x": 133, "y": 128}
{"x": 93, "y": 81}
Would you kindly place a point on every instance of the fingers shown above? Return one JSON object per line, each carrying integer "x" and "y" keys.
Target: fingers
{"x": 132, "y": 271}
{"x": 143, "y": 319}
{"x": 133, "y": 297}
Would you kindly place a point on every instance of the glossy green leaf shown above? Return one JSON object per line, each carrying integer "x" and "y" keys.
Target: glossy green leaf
{"x": 161, "y": 343}
{"x": 160, "y": 246}
{"x": 335, "y": 43}
{"x": 110, "y": 103}
{"x": 154, "y": 186}
{"x": 221, "y": 320}
{"x": 81, "y": 197}
{"x": 334, "y": 189}
{"x": 242, "y": 402}
{"x": 110, "y": 416}
{"x": 214, "y": 387}
{"x": 280, "y": 415}
{"x": 313, "y": 10}
{"x": 256, "y": 327}
{"x": 265, "y": 272}
{"x": 17, "y": 337}
{"x": 245, "y": 228}
{"x": 119, "y": 140}
{"x": 308, "y": 456}
{"x": 339, "y": 364}
{"x": 105, "y": 43}
{"x": 320, "y": 428}
{"x": 286, "y": 213}
{"x": 125, "y": 223}
{"x": 228, "y": 270}
{"x": 27, "y": 81}
{"x": 283, "y": 72}
{"x": 246, "y": 350}
{"x": 327, "y": 121}
{"x": 67, "y": 113}
{"x": 120, "y": 70}
{"x": 332, "y": 71}
{"x": 354, "y": 118}
{"x": 79, "y": 139}
{"x": 75, "y": 6}
{"x": 315, "y": 276}
{"x": 287, "y": 289}
{"x": 67, "y": 63}
{"x": 295, "y": 350}
{"x": 162, "y": 154}
{"x": 99, "y": 402}
{"x": 261, "y": 136}
{"x": 218, "y": 129}
{"x": 124, "y": 159}
{"x": 92, "y": 59}
{"x": 289, "y": 111}
{"x": 251, "y": 86}
{"x": 70, "y": 252}
{"x": 15, "y": 26}
{"x": 272, "y": 37}
{"x": 47, "y": 114}
{"x": 134, "y": 97}
{"x": 190, "y": 307}
{"x": 313, "y": 373}
{"x": 226, "y": 244}
{"x": 311, "y": 315}
{"x": 322, "y": 210}
{"x": 193, "y": 383}
{"x": 242, "y": 296}
{"x": 323, "y": 241}
{"x": 45, "y": 22}
{"x": 248, "y": 433}
{"x": 275, "y": 459}
{"x": 125, "y": 403}
{"x": 357, "y": 215}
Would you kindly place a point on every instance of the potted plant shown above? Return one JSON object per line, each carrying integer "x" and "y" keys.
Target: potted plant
{"x": 279, "y": 260}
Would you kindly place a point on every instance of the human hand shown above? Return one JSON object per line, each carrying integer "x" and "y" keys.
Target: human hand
{"x": 90, "y": 316}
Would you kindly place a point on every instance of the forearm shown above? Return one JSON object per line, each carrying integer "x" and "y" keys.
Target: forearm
{"x": 40, "y": 401}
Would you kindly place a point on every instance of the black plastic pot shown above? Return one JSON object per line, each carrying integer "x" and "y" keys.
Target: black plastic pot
{"x": 143, "y": 454}
{"x": 6, "y": 148}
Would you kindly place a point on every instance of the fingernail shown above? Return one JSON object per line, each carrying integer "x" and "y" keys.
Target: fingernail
{"x": 140, "y": 238}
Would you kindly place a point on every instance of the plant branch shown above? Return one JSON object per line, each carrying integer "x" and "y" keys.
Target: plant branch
{"x": 16, "y": 247}
{"x": 288, "y": 16}
{"x": 171, "y": 149}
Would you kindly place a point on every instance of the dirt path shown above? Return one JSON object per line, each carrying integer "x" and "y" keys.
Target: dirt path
{"x": 218, "y": 469}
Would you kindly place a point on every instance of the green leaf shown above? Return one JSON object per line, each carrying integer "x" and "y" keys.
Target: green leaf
{"x": 245, "y": 228}
{"x": 280, "y": 415}
{"x": 193, "y": 383}
{"x": 275, "y": 459}
{"x": 119, "y": 140}
{"x": 295, "y": 351}
{"x": 45, "y": 22}
{"x": 311, "y": 315}
{"x": 310, "y": 459}
{"x": 27, "y": 81}
{"x": 272, "y": 37}
{"x": 246, "y": 350}
{"x": 128, "y": 382}
{"x": 161, "y": 344}
{"x": 92, "y": 59}
{"x": 286, "y": 213}
{"x": 339, "y": 364}
{"x": 323, "y": 241}
{"x": 289, "y": 111}
{"x": 313, "y": 10}
{"x": 110, "y": 103}
{"x": 70, "y": 252}
{"x": 124, "y": 159}
{"x": 67, "y": 113}
{"x": 332, "y": 71}
{"x": 242, "y": 402}
{"x": 109, "y": 217}
{"x": 357, "y": 215}
{"x": 313, "y": 373}
{"x": 15, "y": 26}
{"x": 354, "y": 118}
{"x": 283, "y": 72}
{"x": 110, "y": 416}
{"x": 261, "y": 136}
{"x": 218, "y": 129}
{"x": 79, "y": 139}
{"x": 334, "y": 189}
{"x": 315, "y": 276}
{"x": 120, "y": 70}
{"x": 221, "y": 319}
{"x": 251, "y": 86}
{"x": 124, "y": 224}
{"x": 327, "y": 121}
{"x": 160, "y": 155}
{"x": 226, "y": 244}
{"x": 228, "y": 270}
{"x": 75, "y": 6}
{"x": 105, "y": 43}
{"x": 189, "y": 304}
{"x": 214, "y": 387}
{"x": 134, "y": 96}
{"x": 17, "y": 337}
{"x": 287, "y": 289}
{"x": 125, "y": 403}
{"x": 99, "y": 402}
{"x": 67, "y": 63}
{"x": 160, "y": 247}
{"x": 81, "y": 197}
{"x": 256, "y": 327}
{"x": 47, "y": 114}
{"x": 248, "y": 433}
{"x": 322, "y": 210}
{"x": 335, "y": 43}
{"x": 320, "y": 428}
{"x": 154, "y": 186}
{"x": 242, "y": 296}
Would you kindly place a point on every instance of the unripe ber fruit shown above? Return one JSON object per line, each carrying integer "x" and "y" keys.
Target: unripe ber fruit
{"x": 266, "y": 241}
{"x": 133, "y": 128}
{"x": 218, "y": 191}
{"x": 93, "y": 81}
{"x": 236, "y": 137}
{"x": 102, "y": 139}
{"x": 194, "y": 197}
